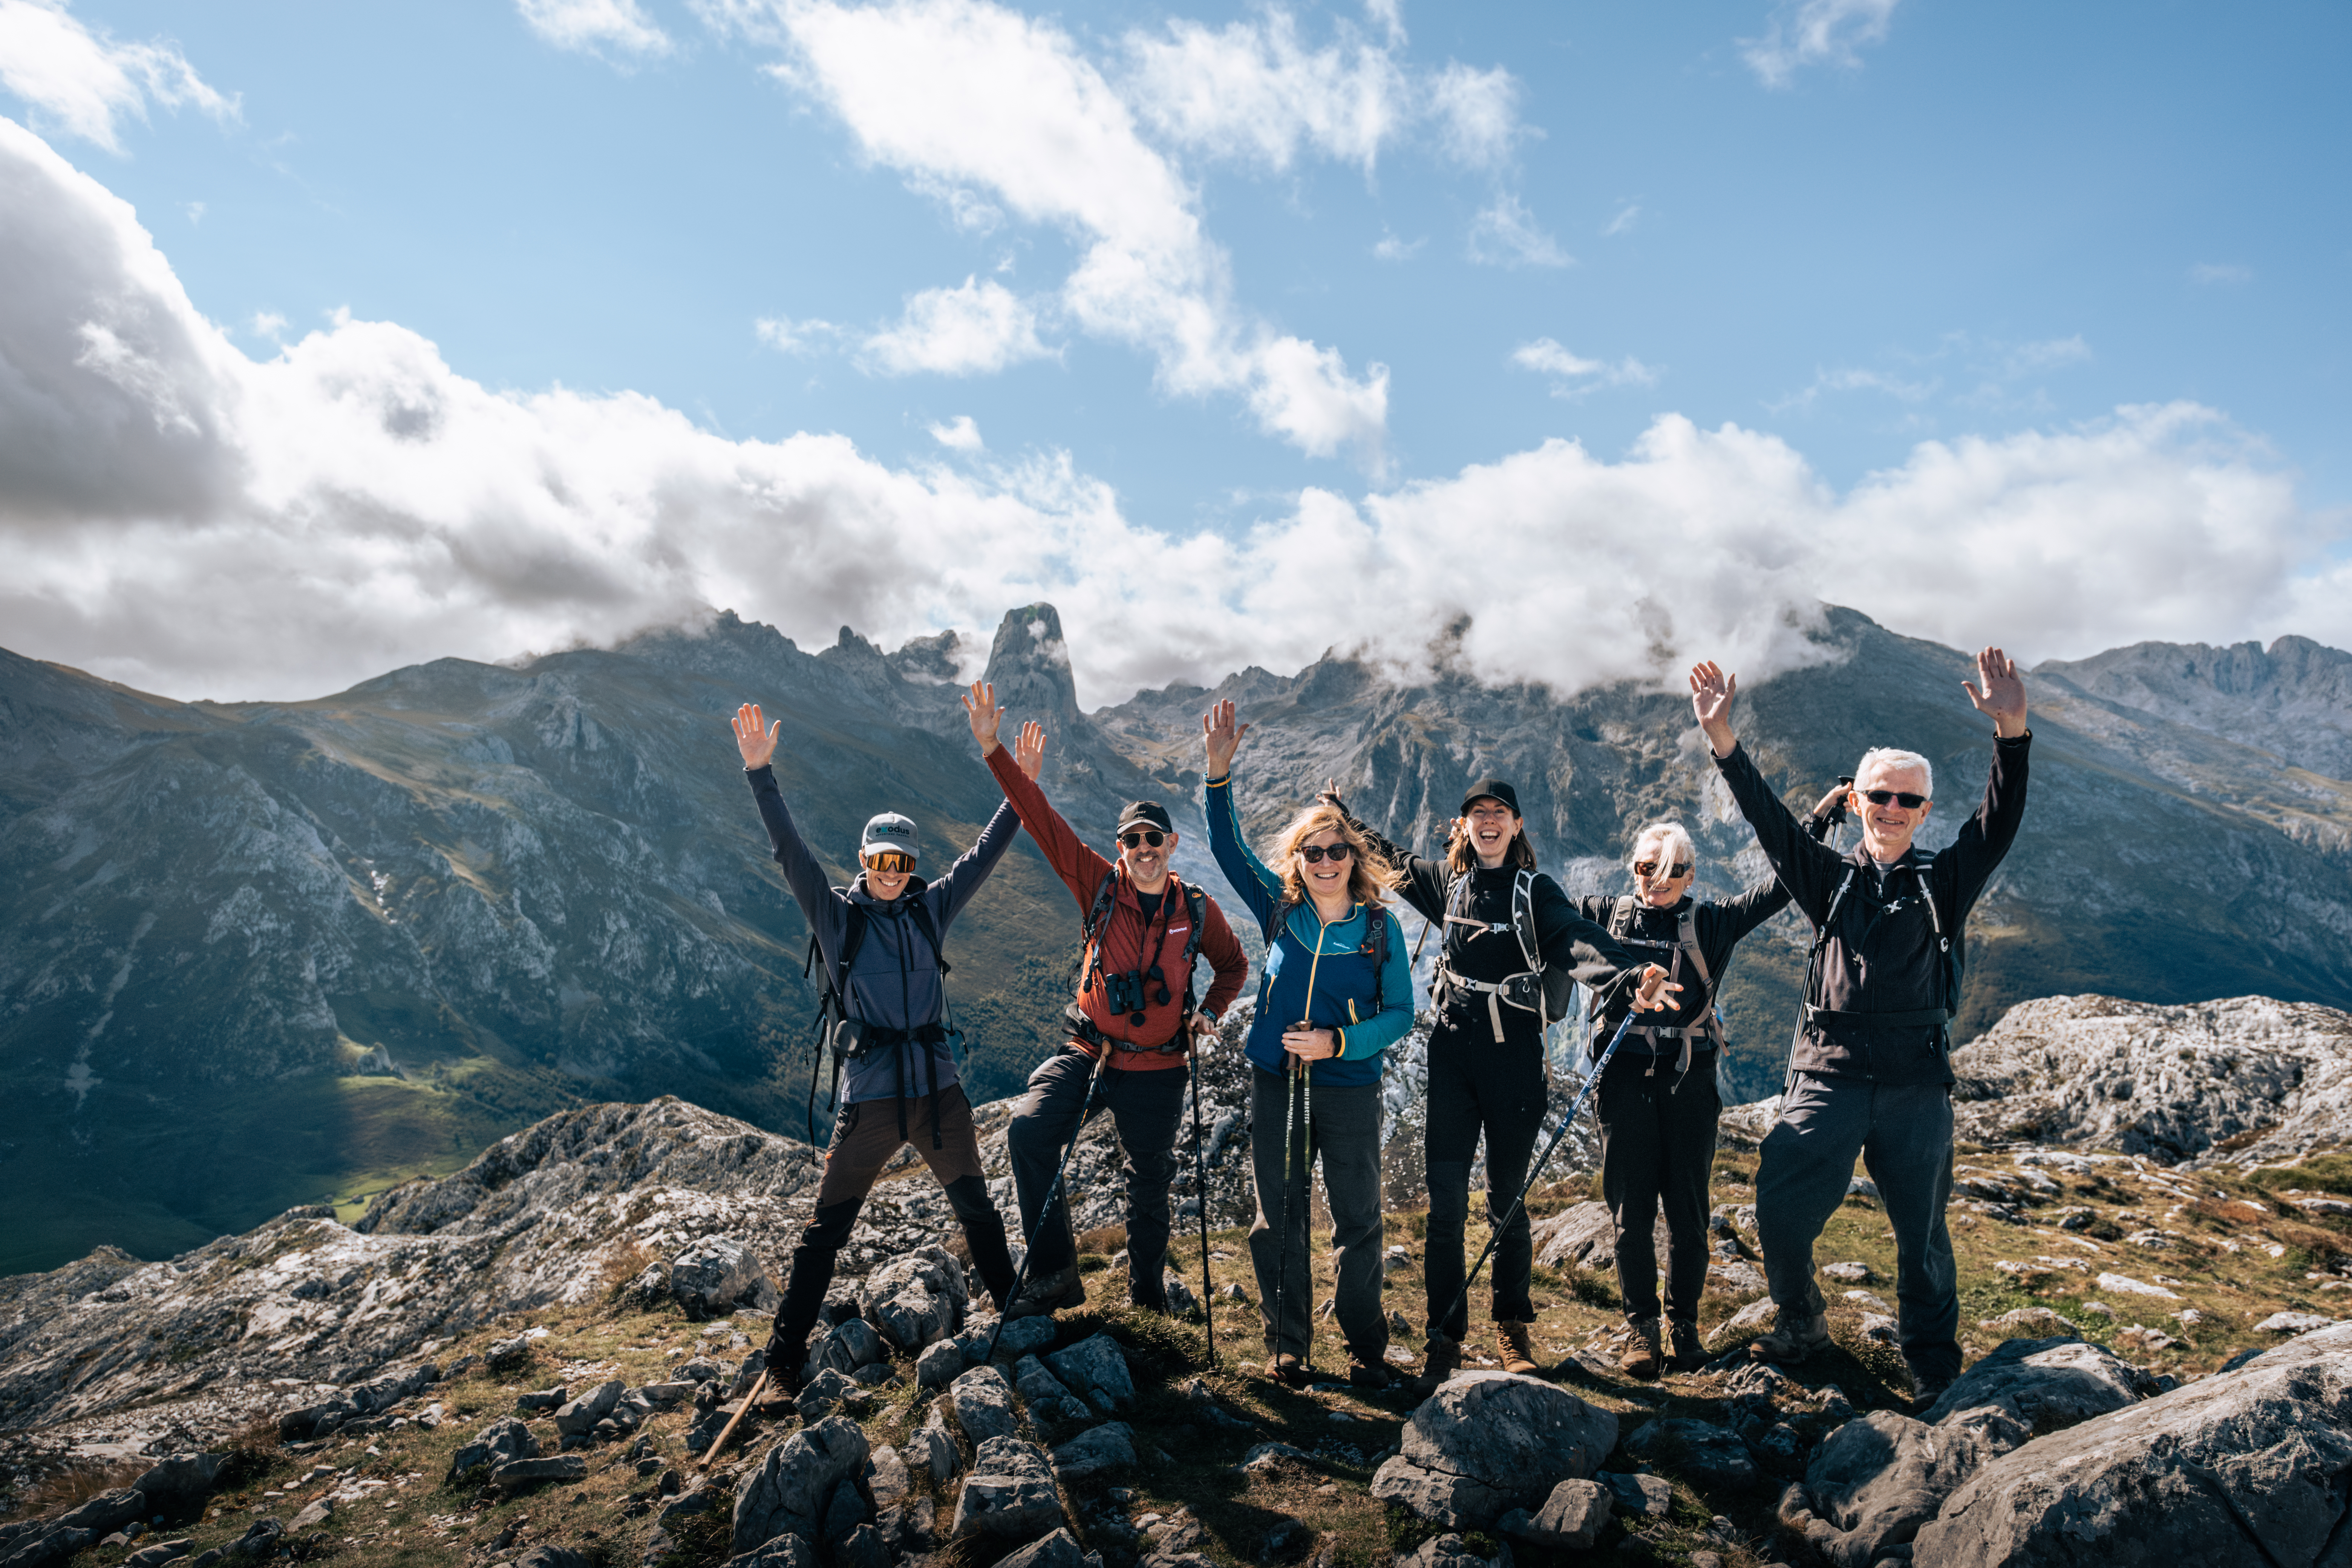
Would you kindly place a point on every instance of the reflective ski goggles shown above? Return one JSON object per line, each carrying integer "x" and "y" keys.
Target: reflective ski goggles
{"x": 1901, "y": 797}
{"x": 1313, "y": 854}
{"x": 1650, "y": 869}
{"x": 890, "y": 862}
{"x": 1143, "y": 836}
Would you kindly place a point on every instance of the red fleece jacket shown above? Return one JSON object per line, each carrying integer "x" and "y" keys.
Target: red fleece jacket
{"x": 1123, "y": 933}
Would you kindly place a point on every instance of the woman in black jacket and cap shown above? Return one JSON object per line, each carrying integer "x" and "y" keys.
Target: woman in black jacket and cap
{"x": 1505, "y": 924}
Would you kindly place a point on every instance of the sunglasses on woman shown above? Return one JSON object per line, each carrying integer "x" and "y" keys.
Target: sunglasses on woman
{"x": 1901, "y": 797}
{"x": 890, "y": 862}
{"x": 1143, "y": 836}
{"x": 1313, "y": 854}
{"x": 1650, "y": 869}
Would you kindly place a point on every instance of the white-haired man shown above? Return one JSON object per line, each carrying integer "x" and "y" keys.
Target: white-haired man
{"x": 1871, "y": 1074}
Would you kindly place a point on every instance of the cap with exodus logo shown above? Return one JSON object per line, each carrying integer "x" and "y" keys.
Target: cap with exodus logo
{"x": 1150, "y": 813}
{"x": 888, "y": 833}
{"x": 1495, "y": 788}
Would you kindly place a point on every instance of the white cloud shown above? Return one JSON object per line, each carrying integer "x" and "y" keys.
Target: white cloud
{"x": 1573, "y": 374}
{"x": 1810, "y": 32}
{"x": 975, "y": 330}
{"x": 787, "y": 336}
{"x": 961, "y": 95}
{"x": 594, "y": 26}
{"x": 1505, "y": 235}
{"x": 957, "y": 434}
{"x": 2211, "y": 272}
{"x": 1627, "y": 217}
{"x": 1251, "y": 91}
{"x": 186, "y": 519}
{"x": 268, "y": 324}
{"x": 84, "y": 84}
{"x": 1392, "y": 248}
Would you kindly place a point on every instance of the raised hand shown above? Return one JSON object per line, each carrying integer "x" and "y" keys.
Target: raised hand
{"x": 754, "y": 738}
{"x": 1330, "y": 796}
{"x": 980, "y": 706}
{"x": 1029, "y": 748}
{"x": 2001, "y": 695}
{"x": 1222, "y": 735}
{"x": 1712, "y": 695}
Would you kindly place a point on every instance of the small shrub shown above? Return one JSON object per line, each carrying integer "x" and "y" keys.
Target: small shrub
{"x": 2320, "y": 1173}
{"x": 1104, "y": 1239}
{"x": 70, "y": 1488}
{"x": 632, "y": 1258}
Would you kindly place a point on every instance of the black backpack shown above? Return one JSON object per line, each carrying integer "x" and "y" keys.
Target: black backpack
{"x": 833, "y": 1007}
{"x": 1540, "y": 989}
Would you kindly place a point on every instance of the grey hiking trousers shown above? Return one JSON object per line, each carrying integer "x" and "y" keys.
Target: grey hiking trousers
{"x": 1345, "y": 1140}
{"x": 1904, "y": 1134}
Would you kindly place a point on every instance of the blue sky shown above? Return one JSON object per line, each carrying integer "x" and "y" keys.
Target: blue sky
{"x": 1235, "y": 292}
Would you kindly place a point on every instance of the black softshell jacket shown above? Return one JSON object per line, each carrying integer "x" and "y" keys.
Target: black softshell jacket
{"x": 1881, "y": 955}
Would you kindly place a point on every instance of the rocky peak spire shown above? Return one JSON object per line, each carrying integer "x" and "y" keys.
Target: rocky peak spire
{"x": 1030, "y": 665}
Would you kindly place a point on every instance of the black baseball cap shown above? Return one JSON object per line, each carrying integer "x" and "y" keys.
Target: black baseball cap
{"x": 1149, "y": 812}
{"x": 1498, "y": 790}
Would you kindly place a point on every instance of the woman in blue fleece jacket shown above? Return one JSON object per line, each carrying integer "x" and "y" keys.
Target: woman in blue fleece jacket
{"x": 1336, "y": 991}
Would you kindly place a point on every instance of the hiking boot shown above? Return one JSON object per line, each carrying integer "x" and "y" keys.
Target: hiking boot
{"x": 1689, "y": 1350}
{"x": 1642, "y": 1357}
{"x": 786, "y": 1360}
{"x": 1287, "y": 1369}
{"x": 1373, "y": 1374}
{"x": 1442, "y": 1359}
{"x": 1055, "y": 1292}
{"x": 1926, "y": 1389}
{"x": 1794, "y": 1336}
{"x": 1518, "y": 1355}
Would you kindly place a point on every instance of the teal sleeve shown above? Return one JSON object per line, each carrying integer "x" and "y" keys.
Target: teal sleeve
{"x": 1250, "y": 876}
{"x": 1394, "y": 1020}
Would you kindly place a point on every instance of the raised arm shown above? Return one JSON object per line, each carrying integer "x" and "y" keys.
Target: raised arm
{"x": 955, "y": 886}
{"x": 1257, "y": 882}
{"x": 755, "y": 741}
{"x": 1426, "y": 880}
{"x": 1590, "y": 952}
{"x": 1081, "y": 868}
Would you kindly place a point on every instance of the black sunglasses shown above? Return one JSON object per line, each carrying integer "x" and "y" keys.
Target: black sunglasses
{"x": 1314, "y": 853}
{"x": 1143, "y": 836}
{"x": 1650, "y": 869}
{"x": 1901, "y": 797}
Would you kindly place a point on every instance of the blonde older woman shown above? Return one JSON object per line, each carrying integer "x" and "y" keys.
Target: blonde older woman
{"x": 1658, "y": 1100}
{"x": 1336, "y": 991}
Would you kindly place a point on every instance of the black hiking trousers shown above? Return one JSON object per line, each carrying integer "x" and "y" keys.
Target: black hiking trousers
{"x": 1476, "y": 1085}
{"x": 1657, "y": 1148}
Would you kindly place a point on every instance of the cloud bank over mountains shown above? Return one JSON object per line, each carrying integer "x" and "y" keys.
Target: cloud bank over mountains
{"x": 186, "y": 519}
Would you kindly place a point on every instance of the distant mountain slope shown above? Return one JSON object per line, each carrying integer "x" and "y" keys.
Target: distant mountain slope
{"x": 2293, "y": 698}
{"x": 255, "y": 954}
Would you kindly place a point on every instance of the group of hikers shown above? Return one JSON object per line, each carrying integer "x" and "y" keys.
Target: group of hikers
{"x": 1869, "y": 1073}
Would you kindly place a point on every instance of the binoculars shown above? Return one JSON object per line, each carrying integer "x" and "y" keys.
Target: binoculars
{"x": 1124, "y": 993}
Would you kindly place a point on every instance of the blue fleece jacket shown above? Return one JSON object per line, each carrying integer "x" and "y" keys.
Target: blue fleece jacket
{"x": 1344, "y": 975}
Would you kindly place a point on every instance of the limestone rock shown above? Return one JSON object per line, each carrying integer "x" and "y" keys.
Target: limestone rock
{"x": 716, "y": 1272}
{"x": 982, "y": 1404}
{"x": 501, "y": 1442}
{"x": 916, "y": 1300}
{"x": 579, "y": 1416}
{"x": 1449, "y": 1551}
{"x": 2048, "y": 1385}
{"x": 783, "y": 1552}
{"x": 788, "y": 1492}
{"x": 2169, "y": 1082}
{"x": 2240, "y": 1466}
{"x": 1097, "y": 1368}
{"x": 1057, "y": 1549}
{"x": 1571, "y": 1518}
{"x": 939, "y": 1365}
{"x": 1108, "y": 1447}
{"x": 179, "y": 1484}
{"x": 886, "y": 1477}
{"x": 549, "y": 1468}
{"x": 1009, "y": 1493}
{"x": 1876, "y": 1479}
{"x": 1487, "y": 1442}
{"x": 1706, "y": 1454}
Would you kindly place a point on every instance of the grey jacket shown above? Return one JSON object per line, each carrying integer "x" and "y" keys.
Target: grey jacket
{"x": 895, "y": 982}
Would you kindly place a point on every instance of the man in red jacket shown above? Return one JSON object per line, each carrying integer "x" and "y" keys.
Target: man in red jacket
{"x": 1133, "y": 989}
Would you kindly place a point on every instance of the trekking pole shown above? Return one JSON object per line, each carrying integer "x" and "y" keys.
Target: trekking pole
{"x": 1302, "y": 1088}
{"x": 1282, "y": 1257}
{"x": 1462, "y": 1297}
{"x": 1200, "y": 1192}
{"x": 736, "y": 1420}
{"x": 1029, "y": 1244}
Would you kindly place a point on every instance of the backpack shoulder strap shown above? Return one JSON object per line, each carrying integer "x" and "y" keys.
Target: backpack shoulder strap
{"x": 1523, "y": 920}
{"x": 920, "y": 913}
{"x": 1196, "y": 908}
{"x": 1620, "y": 917}
{"x": 1376, "y": 921}
{"x": 853, "y": 937}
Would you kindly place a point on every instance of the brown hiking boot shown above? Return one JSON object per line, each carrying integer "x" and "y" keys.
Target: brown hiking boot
{"x": 1518, "y": 1355}
{"x": 1442, "y": 1359}
{"x": 1689, "y": 1350}
{"x": 1642, "y": 1357}
{"x": 1794, "y": 1336}
{"x": 1373, "y": 1373}
{"x": 1289, "y": 1370}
